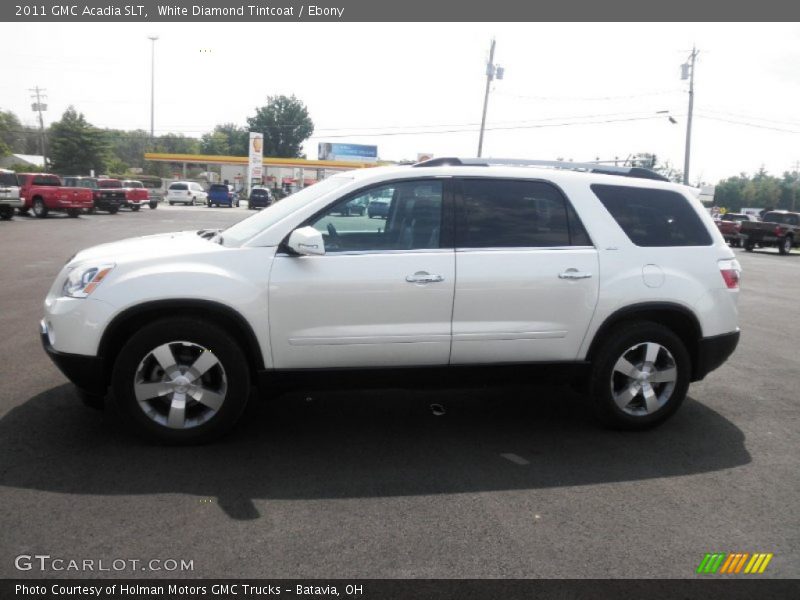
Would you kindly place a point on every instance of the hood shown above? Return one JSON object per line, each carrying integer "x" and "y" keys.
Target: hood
{"x": 151, "y": 246}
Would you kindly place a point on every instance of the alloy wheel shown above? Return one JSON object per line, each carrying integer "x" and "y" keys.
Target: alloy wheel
{"x": 643, "y": 379}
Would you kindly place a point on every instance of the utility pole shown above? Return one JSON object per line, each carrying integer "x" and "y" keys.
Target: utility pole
{"x": 796, "y": 179}
{"x": 153, "y": 39}
{"x": 492, "y": 71}
{"x": 39, "y": 107}
{"x": 687, "y": 71}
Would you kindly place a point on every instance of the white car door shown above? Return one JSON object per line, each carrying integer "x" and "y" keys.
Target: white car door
{"x": 380, "y": 296}
{"x": 527, "y": 274}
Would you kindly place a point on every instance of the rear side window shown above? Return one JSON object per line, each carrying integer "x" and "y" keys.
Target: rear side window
{"x": 9, "y": 179}
{"x": 783, "y": 218}
{"x": 652, "y": 217}
{"x": 179, "y": 186}
{"x": 46, "y": 180}
{"x": 498, "y": 213}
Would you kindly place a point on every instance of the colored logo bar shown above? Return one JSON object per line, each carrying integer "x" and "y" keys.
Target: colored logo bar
{"x": 734, "y": 563}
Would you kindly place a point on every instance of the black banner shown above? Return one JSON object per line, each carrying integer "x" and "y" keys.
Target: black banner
{"x": 383, "y": 589}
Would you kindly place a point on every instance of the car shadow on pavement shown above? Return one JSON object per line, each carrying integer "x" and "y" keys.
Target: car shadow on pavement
{"x": 361, "y": 444}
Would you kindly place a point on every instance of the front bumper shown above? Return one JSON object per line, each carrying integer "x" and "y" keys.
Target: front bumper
{"x": 712, "y": 352}
{"x": 86, "y": 372}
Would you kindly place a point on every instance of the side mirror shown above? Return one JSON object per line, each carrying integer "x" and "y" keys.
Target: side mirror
{"x": 307, "y": 240}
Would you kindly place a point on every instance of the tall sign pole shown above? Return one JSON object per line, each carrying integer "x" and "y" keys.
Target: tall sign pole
{"x": 687, "y": 70}
{"x": 39, "y": 107}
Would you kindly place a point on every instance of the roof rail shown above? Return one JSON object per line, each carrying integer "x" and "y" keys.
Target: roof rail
{"x": 639, "y": 172}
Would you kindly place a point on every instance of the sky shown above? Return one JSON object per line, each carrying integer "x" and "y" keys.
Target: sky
{"x": 573, "y": 91}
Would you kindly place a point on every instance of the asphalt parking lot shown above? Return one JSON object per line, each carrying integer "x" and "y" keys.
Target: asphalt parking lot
{"x": 511, "y": 482}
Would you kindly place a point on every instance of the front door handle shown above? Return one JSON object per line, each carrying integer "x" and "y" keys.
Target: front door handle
{"x": 573, "y": 274}
{"x": 423, "y": 277}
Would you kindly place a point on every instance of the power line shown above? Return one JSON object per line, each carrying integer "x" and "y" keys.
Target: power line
{"x": 746, "y": 124}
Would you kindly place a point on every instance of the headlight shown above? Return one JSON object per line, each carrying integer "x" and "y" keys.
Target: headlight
{"x": 83, "y": 280}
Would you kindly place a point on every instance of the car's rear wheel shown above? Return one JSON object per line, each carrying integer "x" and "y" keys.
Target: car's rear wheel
{"x": 192, "y": 202}
{"x": 171, "y": 203}
{"x": 39, "y": 209}
{"x": 640, "y": 376}
{"x": 749, "y": 246}
{"x": 73, "y": 212}
{"x": 112, "y": 210}
{"x": 6, "y": 213}
{"x": 181, "y": 380}
{"x": 785, "y": 245}
{"x": 134, "y": 207}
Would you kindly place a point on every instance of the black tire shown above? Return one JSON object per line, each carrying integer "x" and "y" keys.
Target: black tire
{"x": 192, "y": 202}
{"x": 171, "y": 203}
{"x": 135, "y": 207}
{"x": 112, "y": 210}
{"x": 625, "y": 340}
{"x": 39, "y": 209}
{"x": 6, "y": 214}
{"x": 73, "y": 213}
{"x": 749, "y": 246}
{"x": 204, "y": 334}
{"x": 785, "y": 245}
{"x": 153, "y": 205}
{"x": 23, "y": 211}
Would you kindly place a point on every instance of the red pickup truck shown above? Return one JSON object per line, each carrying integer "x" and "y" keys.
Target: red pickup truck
{"x": 44, "y": 193}
{"x": 136, "y": 195}
{"x": 730, "y": 225}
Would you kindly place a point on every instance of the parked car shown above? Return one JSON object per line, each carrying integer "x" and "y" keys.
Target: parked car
{"x": 137, "y": 195}
{"x": 9, "y": 194}
{"x": 186, "y": 192}
{"x": 260, "y": 197}
{"x": 44, "y": 193}
{"x": 110, "y": 198}
{"x": 779, "y": 228}
{"x": 220, "y": 194}
{"x": 356, "y": 207}
{"x": 378, "y": 208}
{"x": 621, "y": 283}
{"x": 729, "y": 226}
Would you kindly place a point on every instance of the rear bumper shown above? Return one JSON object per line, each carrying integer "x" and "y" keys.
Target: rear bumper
{"x": 712, "y": 352}
{"x": 86, "y": 372}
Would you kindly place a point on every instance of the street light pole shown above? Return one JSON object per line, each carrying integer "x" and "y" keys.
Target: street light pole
{"x": 689, "y": 67}
{"x": 153, "y": 39}
{"x": 492, "y": 70}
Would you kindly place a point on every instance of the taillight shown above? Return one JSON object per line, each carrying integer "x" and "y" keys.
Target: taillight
{"x": 778, "y": 230}
{"x": 731, "y": 272}
{"x": 737, "y": 224}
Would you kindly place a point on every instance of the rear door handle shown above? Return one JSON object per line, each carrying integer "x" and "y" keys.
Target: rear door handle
{"x": 424, "y": 277}
{"x": 574, "y": 274}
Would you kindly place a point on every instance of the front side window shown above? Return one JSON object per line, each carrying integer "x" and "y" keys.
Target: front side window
{"x": 497, "y": 213}
{"x": 653, "y": 217}
{"x": 410, "y": 219}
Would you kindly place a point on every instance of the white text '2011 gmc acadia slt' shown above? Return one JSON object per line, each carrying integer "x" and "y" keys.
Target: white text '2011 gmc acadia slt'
{"x": 476, "y": 269}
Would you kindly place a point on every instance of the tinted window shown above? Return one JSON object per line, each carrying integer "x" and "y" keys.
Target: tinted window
{"x": 109, "y": 184}
{"x": 179, "y": 186}
{"x": 500, "y": 213}
{"x": 218, "y": 188}
{"x": 47, "y": 180}
{"x": 784, "y": 218}
{"x": 413, "y": 219}
{"x": 8, "y": 179}
{"x": 133, "y": 184}
{"x": 653, "y": 218}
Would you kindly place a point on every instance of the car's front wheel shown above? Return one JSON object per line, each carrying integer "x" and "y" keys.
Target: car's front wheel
{"x": 785, "y": 245}
{"x": 181, "y": 380}
{"x": 640, "y": 375}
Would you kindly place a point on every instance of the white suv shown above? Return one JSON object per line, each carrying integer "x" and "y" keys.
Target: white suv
{"x": 9, "y": 195}
{"x": 186, "y": 192}
{"x": 479, "y": 272}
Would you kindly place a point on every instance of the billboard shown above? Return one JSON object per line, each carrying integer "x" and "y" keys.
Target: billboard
{"x": 256, "y": 154}
{"x": 351, "y": 152}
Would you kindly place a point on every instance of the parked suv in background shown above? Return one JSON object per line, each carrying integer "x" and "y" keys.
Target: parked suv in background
{"x": 482, "y": 272}
{"x": 260, "y": 197}
{"x": 186, "y": 192}
{"x": 220, "y": 194}
{"x": 9, "y": 194}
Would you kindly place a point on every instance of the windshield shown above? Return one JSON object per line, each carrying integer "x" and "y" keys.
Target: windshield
{"x": 244, "y": 230}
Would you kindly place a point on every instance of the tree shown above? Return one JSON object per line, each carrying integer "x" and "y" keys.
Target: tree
{"x": 227, "y": 139}
{"x": 12, "y": 138}
{"x": 285, "y": 123}
{"x": 75, "y": 145}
